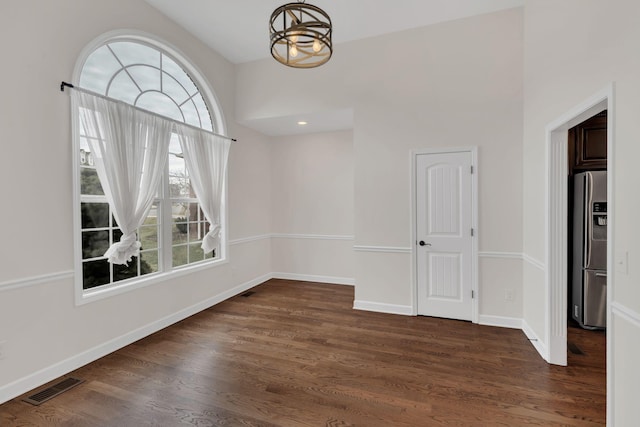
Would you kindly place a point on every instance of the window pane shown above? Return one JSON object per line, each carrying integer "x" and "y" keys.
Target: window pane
{"x": 190, "y": 113}
{"x": 123, "y": 272}
{"x": 197, "y": 230}
{"x": 148, "y": 236}
{"x": 180, "y": 187}
{"x": 100, "y": 66}
{"x": 90, "y": 183}
{"x": 179, "y": 232}
{"x": 148, "y": 262}
{"x": 195, "y": 252}
{"x": 173, "y": 89}
{"x": 86, "y": 157}
{"x": 94, "y": 243}
{"x": 159, "y": 103}
{"x": 179, "y": 255}
{"x": 194, "y": 212}
{"x": 95, "y": 215}
{"x": 123, "y": 88}
{"x": 116, "y": 235}
{"x": 203, "y": 111}
{"x": 179, "y": 210}
{"x": 147, "y": 78}
{"x": 169, "y": 66}
{"x": 95, "y": 273}
{"x": 135, "y": 53}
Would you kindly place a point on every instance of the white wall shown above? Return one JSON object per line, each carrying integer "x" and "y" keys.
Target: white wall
{"x": 45, "y": 333}
{"x": 449, "y": 85}
{"x": 573, "y": 49}
{"x": 312, "y": 206}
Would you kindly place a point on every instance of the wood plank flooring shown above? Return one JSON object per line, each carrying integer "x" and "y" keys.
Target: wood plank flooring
{"x": 297, "y": 354}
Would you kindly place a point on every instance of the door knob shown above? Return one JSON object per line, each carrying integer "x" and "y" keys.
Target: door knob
{"x": 422, "y": 243}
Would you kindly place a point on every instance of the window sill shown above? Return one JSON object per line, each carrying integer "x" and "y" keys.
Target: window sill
{"x": 92, "y": 295}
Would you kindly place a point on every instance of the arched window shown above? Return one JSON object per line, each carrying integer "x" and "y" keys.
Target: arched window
{"x": 147, "y": 76}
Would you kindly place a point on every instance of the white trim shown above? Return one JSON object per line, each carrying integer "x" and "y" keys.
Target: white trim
{"x": 291, "y": 236}
{"x": 537, "y": 343}
{"x": 313, "y": 278}
{"x": 311, "y": 236}
{"x": 556, "y": 224}
{"x": 384, "y": 249}
{"x": 514, "y": 255}
{"x": 626, "y": 313}
{"x": 534, "y": 262}
{"x": 404, "y": 310}
{"x": 249, "y": 239}
{"x": 35, "y": 280}
{"x": 23, "y": 385}
{"x": 504, "y": 255}
{"x": 107, "y": 291}
{"x": 473, "y": 151}
{"x": 500, "y": 321}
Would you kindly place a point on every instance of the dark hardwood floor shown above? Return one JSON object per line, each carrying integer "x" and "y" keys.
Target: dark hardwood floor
{"x": 296, "y": 354}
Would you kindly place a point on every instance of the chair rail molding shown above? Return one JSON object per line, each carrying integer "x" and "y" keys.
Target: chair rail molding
{"x": 36, "y": 280}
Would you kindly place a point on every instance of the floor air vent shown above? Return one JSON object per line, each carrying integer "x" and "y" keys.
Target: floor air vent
{"x": 52, "y": 391}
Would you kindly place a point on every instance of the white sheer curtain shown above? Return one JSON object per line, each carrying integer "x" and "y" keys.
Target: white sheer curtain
{"x": 205, "y": 156}
{"x": 130, "y": 148}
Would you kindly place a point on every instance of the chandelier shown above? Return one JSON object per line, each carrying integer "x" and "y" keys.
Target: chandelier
{"x": 300, "y": 35}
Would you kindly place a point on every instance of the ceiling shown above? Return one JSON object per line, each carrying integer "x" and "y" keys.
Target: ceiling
{"x": 238, "y": 30}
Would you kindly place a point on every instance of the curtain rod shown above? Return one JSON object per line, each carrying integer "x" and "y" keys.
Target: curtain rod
{"x": 69, "y": 85}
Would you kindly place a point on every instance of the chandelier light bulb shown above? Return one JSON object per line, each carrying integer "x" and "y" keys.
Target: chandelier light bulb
{"x": 300, "y": 35}
{"x": 317, "y": 46}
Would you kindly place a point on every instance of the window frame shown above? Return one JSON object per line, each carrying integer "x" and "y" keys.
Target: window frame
{"x": 83, "y": 296}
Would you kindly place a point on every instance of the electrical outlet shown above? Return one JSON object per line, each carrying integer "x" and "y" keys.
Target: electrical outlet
{"x": 3, "y": 350}
{"x": 508, "y": 295}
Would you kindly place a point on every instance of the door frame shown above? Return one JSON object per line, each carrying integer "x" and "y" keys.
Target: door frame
{"x": 556, "y": 285}
{"x": 473, "y": 150}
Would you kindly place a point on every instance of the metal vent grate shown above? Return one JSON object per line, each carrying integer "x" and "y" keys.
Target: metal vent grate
{"x": 52, "y": 391}
{"x": 248, "y": 294}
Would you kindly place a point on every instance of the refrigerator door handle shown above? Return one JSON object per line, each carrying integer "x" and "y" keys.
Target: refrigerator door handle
{"x": 588, "y": 189}
{"x": 601, "y": 274}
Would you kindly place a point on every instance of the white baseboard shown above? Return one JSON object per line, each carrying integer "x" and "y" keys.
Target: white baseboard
{"x": 43, "y": 376}
{"x": 500, "y": 321}
{"x": 537, "y": 343}
{"x": 312, "y": 278}
{"x": 405, "y": 310}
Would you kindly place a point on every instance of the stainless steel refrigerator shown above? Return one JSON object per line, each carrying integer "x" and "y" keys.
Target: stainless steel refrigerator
{"x": 589, "y": 305}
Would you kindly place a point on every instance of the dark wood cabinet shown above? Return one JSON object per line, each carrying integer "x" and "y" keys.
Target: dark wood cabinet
{"x": 588, "y": 145}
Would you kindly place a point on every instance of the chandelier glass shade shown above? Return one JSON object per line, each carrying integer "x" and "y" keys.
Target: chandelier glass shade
{"x": 300, "y": 35}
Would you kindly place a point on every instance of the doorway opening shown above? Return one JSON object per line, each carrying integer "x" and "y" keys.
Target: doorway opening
{"x": 557, "y": 233}
{"x": 586, "y": 242}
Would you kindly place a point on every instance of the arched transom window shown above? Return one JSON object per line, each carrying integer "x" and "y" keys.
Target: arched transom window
{"x": 147, "y": 78}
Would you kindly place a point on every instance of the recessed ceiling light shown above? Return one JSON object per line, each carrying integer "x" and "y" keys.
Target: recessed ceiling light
{"x": 302, "y": 123}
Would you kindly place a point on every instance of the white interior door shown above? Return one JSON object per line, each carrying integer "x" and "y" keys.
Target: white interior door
{"x": 444, "y": 234}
